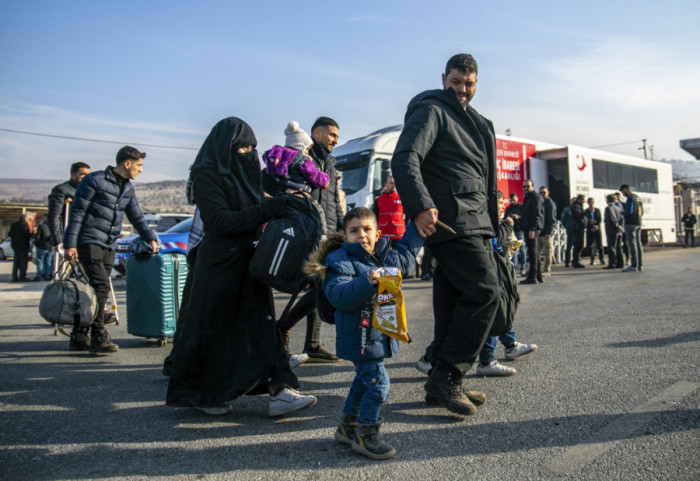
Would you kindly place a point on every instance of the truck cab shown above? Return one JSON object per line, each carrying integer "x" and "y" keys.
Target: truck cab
{"x": 365, "y": 163}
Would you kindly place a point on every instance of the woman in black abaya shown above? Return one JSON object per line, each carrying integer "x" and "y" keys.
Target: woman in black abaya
{"x": 228, "y": 345}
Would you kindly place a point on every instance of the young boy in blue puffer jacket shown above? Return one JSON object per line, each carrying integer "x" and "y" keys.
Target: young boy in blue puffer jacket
{"x": 347, "y": 264}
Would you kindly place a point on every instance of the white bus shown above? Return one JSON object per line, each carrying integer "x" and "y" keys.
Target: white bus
{"x": 573, "y": 170}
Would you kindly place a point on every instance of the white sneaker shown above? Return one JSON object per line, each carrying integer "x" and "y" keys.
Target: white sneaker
{"x": 424, "y": 366}
{"x": 297, "y": 359}
{"x": 494, "y": 368}
{"x": 223, "y": 408}
{"x": 288, "y": 401}
{"x": 517, "y": 350}
{"x": 629, "y": 269}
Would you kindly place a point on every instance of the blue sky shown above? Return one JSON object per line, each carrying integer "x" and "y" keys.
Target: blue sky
{"x": 164, "y": 72}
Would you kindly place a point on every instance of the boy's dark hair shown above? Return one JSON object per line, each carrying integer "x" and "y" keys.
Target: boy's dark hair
{"x": 624, "y": 186}
{"x": 129, "y": 153}
{"x": 462, "y": 62}
{"x": 74, "y": 168}
{"x": 359, "y": 213}
{"x": 324, "y": 122}
{"x": 580, "y": 198}
{"x": 611, "y": 198}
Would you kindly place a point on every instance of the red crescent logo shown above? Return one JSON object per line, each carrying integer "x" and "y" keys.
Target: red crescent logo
{"x": 583, "y": 162}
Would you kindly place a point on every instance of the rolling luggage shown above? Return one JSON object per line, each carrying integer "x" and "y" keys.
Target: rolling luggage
{"x": 153, "y": 295}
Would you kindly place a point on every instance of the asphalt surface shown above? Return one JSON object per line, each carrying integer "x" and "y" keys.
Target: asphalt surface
{"x": 612, "y": 393}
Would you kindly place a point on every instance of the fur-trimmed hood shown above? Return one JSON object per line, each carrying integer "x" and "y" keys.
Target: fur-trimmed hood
{"x": 315, "y": 267}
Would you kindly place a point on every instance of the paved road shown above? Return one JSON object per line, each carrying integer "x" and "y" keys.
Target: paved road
{"x": 612, "y": 393}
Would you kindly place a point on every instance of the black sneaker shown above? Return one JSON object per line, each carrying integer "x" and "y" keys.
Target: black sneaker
{"x": 346, "y": 429}
{"x": 369, "y": 442}
{"x": 446, "y": 387}
{"x": 79, "y": 341}
{"x": 100, "y": 344}
{"x": 319, "y": 354}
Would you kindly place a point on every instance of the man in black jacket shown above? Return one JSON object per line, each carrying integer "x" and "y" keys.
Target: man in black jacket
{"x": 594, "y": 237}
{"x": 96, "y": 215}
{"x": 532, "y": 222}
{"x": 689, "y": 220}
{"x": 614, "y": 227}
{"x": 578, "y": 229}
{"x": 58, "y": 198}
{"x": 445, "y": 162}
{"x": 21, "y": 237}
{"x": 324, "y": 133}
{"x": 547, "y": 234}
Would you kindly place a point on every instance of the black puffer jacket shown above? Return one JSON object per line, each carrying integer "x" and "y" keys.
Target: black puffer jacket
{"x": 446, "y": 158}
{"x": 98, "y": 210}
{"x": 57, "y": 209}
{"x": 327, "y": 198}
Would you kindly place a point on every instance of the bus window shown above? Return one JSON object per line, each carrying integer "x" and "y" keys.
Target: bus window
{"x": 611, "y": 175}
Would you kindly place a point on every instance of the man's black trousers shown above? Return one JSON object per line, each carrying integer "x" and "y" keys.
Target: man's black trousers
{"x": 594, "y": 241}
{"x": 97, "y": 262}
{"x": 533, "y": 256}
{"x": 465, "y": 299}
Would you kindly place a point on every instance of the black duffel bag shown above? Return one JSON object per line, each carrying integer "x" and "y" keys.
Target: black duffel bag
{"x": 69, "y": 299}
{"x": 509, "y": 297}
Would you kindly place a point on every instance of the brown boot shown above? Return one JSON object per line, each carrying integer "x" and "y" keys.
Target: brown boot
{"x": 100, "y": 343}
{"x": 79, "y": 340}
{"x": 446, "y": 387}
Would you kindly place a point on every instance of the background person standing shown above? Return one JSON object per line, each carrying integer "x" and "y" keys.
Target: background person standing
{"x": 514, "y": 211}
{"x": 42, "y": 242}
{"x": 614, "y": 227}
{"x": 59, "y": 196}
{"x": 21, "y": 236}
{"x": 689, "y": 220}
{"x": 594, "y": 237}
{"x": 633, "y": 223}
{"x": 578, "y": 229}
{"x": 388, "y": 210}
{"x": 532, "y": 223}
{"x": 547, "y": 233}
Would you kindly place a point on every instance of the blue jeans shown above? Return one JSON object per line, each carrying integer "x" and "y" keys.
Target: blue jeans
{"x": 369, "y": 390}
{"x": 522, "y": 252}
{"x": 634, "y": 244}
{"x": 488, "y": 352}
{"x": 43, "y": 263}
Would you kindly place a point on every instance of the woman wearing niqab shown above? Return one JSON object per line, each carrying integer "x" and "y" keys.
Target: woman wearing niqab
{"x": 229, "y": 345}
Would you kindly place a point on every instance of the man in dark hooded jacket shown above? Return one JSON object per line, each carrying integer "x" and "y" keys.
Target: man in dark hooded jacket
{"x": 60, "y": 195}
{"x": 445, "y": 162}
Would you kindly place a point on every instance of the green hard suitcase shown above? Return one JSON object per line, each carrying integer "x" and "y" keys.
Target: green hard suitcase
{"x": 154, "y": 294}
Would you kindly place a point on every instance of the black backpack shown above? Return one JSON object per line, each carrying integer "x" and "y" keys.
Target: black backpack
{"x": 509, "y": 300}
{"x": 285, "y": 245}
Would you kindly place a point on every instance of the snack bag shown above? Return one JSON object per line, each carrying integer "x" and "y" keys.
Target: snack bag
{"x": 512, "y": 245}
{"x": 389, "y": 309}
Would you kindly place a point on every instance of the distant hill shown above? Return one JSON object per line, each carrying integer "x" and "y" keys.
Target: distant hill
{"x": 165, "y": 196}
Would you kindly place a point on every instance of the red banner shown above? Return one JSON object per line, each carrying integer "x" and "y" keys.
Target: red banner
{"x": 511, "y": 159}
